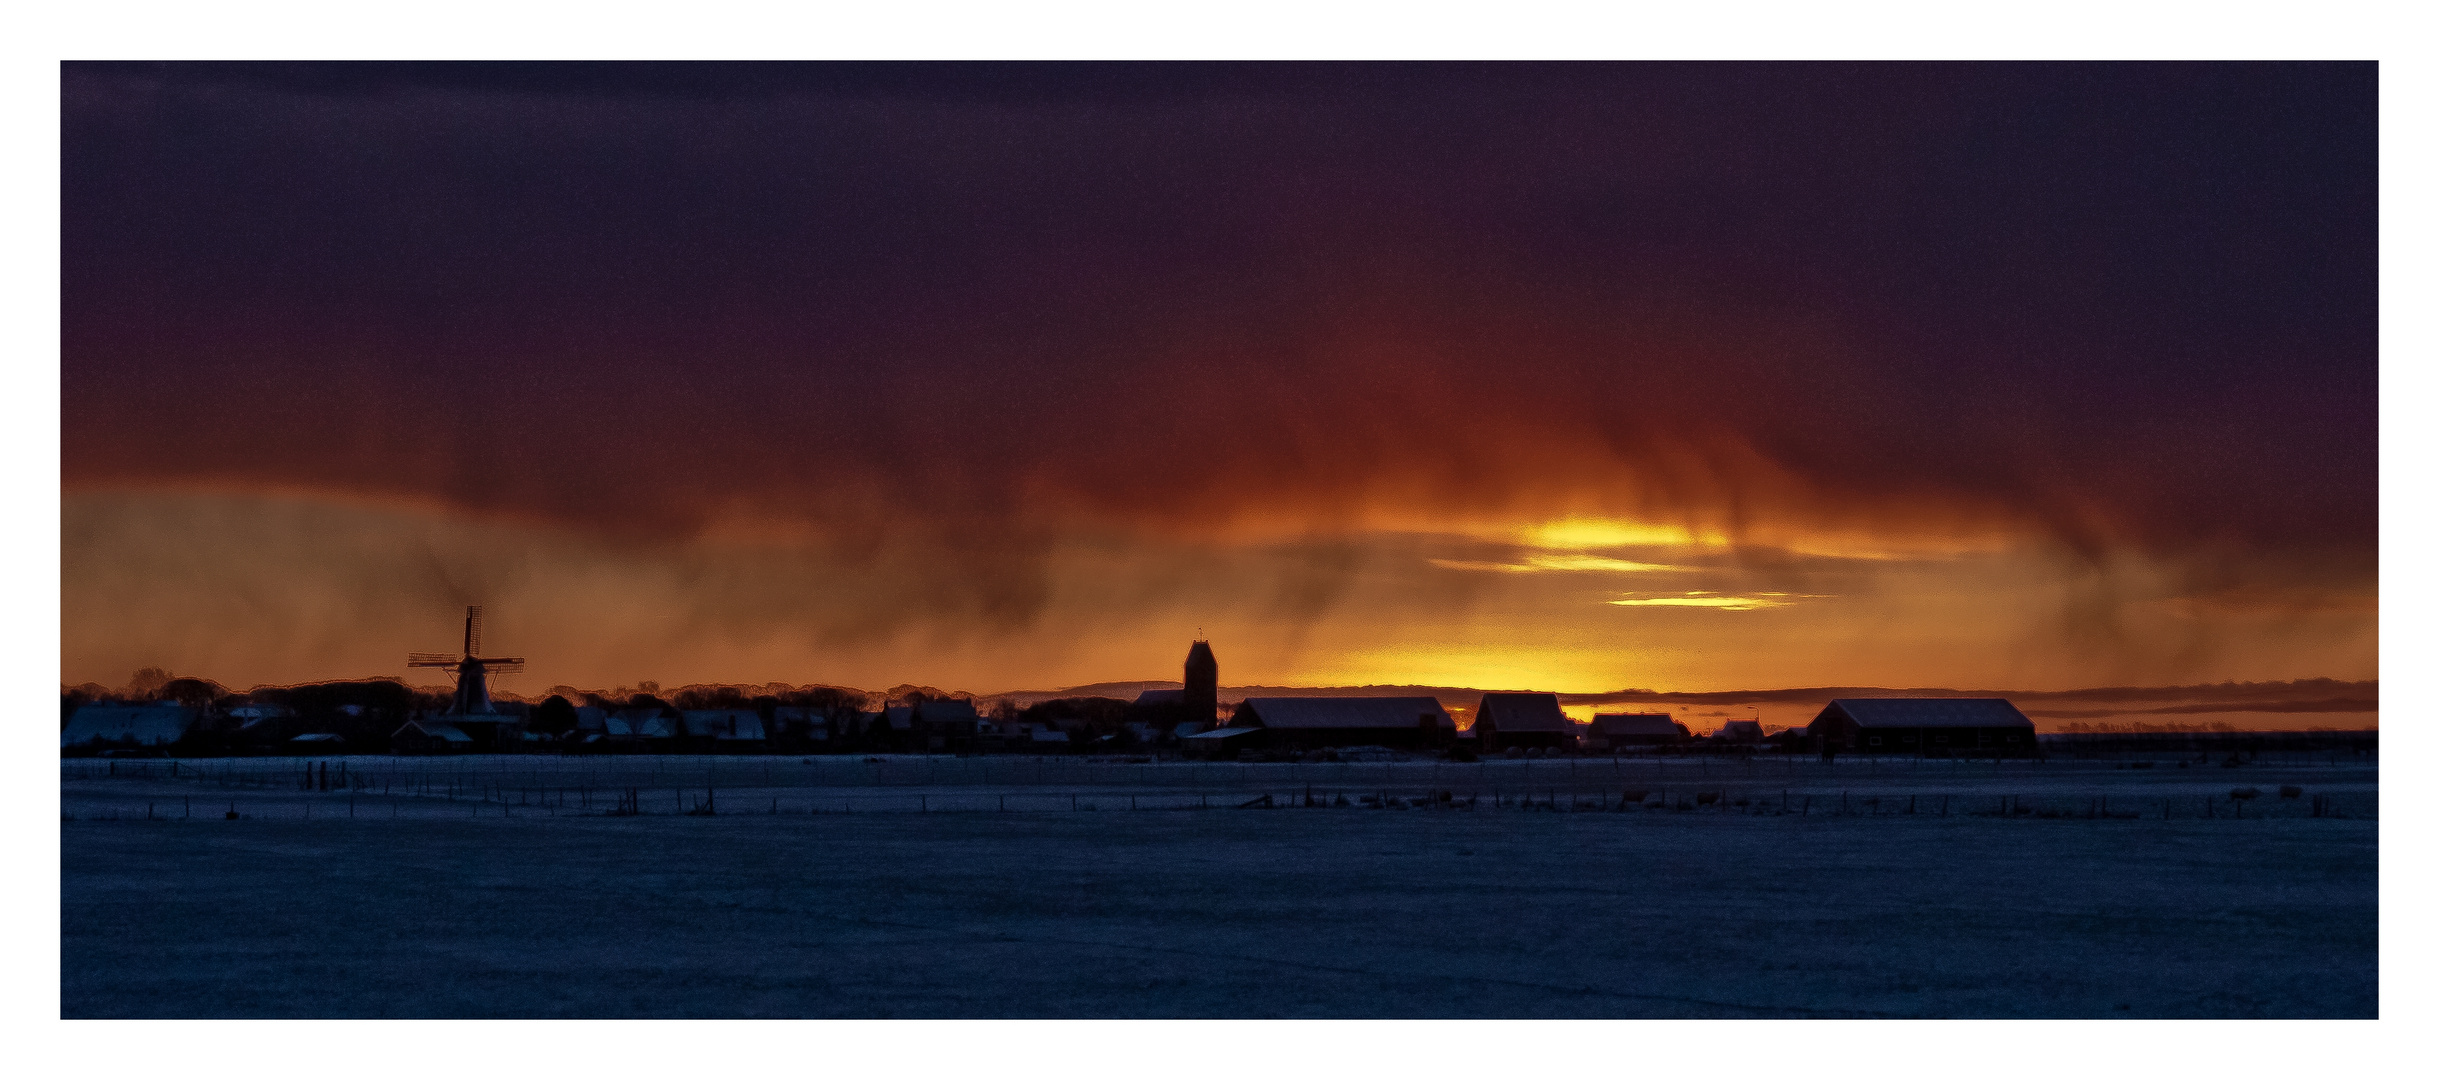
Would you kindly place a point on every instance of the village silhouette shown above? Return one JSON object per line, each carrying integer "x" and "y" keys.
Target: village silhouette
{"x": 158, "y": 715}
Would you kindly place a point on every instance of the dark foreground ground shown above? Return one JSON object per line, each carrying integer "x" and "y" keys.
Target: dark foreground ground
{"x": 1220, "y": 914}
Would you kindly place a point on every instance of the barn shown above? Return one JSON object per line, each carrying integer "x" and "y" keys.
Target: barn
{"x": 1934, "y": 727}
{"x": 1306, "y": 723}
{"x": 1506, "y": 721}
{"x": 1612, "y": 732}
{"x": 94, "y": 727}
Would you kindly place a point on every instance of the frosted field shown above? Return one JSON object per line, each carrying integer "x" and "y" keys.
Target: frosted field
{"x": 913, "y": 895}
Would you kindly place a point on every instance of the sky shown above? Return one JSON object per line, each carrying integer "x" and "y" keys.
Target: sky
{"x": 1570, "y": 377}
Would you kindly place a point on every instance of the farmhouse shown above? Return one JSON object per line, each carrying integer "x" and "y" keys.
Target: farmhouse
{"x": 1522, "y": 720}
{"x": 1613, "y": 732}
{"x": 1161, "y": 708}
{"x": 104, "y": 726}
{"x": 1937, "y": 727}
{"x": 430, "y": 737}
{"x": 1304, "y": 723}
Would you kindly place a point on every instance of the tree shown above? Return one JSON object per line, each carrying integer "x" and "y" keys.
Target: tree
{"x": 197, "y": 693}
{"x": 555, "y": 716}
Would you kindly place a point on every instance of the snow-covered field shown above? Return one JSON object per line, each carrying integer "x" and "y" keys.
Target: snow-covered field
{"x": 429, "y": 905}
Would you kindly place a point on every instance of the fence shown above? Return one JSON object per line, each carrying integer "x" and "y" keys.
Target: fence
{"x": 512, "y": 787}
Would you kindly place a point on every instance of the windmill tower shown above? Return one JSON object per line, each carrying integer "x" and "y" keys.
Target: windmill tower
{"x": 473, "y": 698}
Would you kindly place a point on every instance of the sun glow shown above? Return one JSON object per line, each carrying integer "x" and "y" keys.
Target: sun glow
{"x": 1540, "y": 563}
{"x": 1709, "y": 600}
{"x": 1578, "y": 534}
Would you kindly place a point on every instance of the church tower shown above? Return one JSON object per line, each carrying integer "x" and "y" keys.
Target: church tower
{"x": 1202, "y": 684}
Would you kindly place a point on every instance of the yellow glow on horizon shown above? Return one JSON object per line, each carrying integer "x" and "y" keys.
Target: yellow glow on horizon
{"x": 1708, "y": 600}
{"x": 1490, "y": 667}
{"x": 1577, "y": 534}
{"x": 1540, "y": 563}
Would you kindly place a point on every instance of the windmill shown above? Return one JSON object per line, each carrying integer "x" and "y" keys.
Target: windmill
{"x": 473, "y": 698}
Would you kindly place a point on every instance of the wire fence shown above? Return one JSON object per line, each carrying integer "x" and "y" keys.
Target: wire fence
{"x": 473, "y": 775}
{"x": 512, "y": 787}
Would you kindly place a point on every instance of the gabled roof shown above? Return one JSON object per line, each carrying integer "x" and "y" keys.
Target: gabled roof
{"x": 591, "y": 718}
{"x": 1635, "y": 724}
{"x": 1161, "y": 697}
{"x": 436, "y": 730}
{"x": 644, "y": 723}
{"x": 1926, "y": 712}
{"x": 1509, "y": 713}
{"x": 1339, "y": 712}
{"x": 146, "y": 725}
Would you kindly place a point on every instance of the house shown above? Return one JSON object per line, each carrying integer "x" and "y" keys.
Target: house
{"x": 1305, "y": 723}
{"x": 430, "y": 737}
{"x": 1937, "y": 727}
{"x": 640, "y": 724}
{"x": 1612, "y": 732}
{"x": 1522, "y": 720}
{"x": 490, "y": 731}
{"x": 1738, "y": 731}
{"x": 592, "y": 720}
{"x": 97, "y": 727}
{"x": 723, "y": 730}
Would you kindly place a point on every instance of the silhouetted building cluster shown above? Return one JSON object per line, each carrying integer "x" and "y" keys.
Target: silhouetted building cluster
{"x": 386, "y": 716}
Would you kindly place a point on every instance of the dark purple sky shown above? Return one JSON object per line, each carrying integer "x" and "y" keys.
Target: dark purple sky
{"x": 2121, "y": 308}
